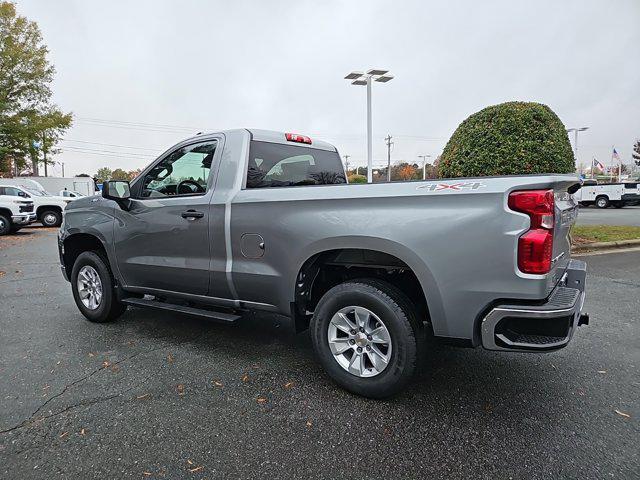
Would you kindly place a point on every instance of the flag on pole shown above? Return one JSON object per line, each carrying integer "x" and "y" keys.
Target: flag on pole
{"x": 598, "y": 164}
{"x": 615, "y": 155}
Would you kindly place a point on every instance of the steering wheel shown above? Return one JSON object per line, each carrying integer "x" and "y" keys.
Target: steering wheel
{"x": 198, "y": 188}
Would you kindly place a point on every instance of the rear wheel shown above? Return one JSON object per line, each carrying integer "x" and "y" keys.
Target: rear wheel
{"x": 93, "y": 288}
{"x": 367, "y": 337}
{"x": 51, "y": 218}
{"x": 5, "y": 224}
{"x": 602, "y": 202}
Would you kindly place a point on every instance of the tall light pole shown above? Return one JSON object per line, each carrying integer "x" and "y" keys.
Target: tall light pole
{"x": 424, "y": 165}
{"x": 360, "y": 78}
{"x": 575, "y": 139}
{"x": 346, "y": 163}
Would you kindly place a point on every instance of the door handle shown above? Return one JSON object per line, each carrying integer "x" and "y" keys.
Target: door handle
{"x": 191, "y": 214}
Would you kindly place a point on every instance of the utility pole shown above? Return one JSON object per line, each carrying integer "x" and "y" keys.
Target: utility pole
{"x": 62, "y": 163}
{"x": 389, "y": 143}
{"x": 346, "y": 164}
{"x": 44, "y": 152}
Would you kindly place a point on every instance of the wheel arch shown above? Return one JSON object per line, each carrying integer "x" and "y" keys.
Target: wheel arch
{"x": 44, "y": 208}
{"x": 76, "y": 243}
{"x": 378, "y": 254}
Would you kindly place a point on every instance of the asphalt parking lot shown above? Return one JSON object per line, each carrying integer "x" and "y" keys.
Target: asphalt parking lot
{"x": 629, "y": 216}
{"x": 159, "y": 395}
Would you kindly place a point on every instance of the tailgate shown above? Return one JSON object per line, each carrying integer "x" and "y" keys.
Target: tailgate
{"x": 566, "y": 212}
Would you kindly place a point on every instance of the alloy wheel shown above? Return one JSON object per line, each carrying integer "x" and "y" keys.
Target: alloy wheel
{"x": 359, "y": 341}
{"x": 89, "y": 287}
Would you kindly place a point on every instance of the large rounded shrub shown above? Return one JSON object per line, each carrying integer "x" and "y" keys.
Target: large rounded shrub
{"x": 513, "y": 138}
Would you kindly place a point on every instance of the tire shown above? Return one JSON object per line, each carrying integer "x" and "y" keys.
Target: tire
{"x": 51, "y": 218}
{"x": 95, "y": 266}
{"x": 394, "y": 310}
{"x": 602, "y": 201}
{"x": 5, "y": 224}
{"x": 15, "y": 228}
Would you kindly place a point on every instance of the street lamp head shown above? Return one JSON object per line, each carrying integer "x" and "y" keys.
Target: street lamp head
{"x": 375, "y": 71}
{"x": 354, "y": 75}
{"x": 359, "y": 82}
{"x": 582, "y": 129}
{"x": 384, "y": 78}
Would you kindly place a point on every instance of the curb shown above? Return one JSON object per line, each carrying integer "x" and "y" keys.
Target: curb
{"x": 588, "y": 247}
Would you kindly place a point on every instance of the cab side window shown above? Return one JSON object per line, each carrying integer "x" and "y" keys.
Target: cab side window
{"x": 183, "y": 172}
{"x": 12, "y": 191}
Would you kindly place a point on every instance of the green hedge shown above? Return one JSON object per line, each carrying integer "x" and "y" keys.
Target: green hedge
{"x": 512, "y": 138}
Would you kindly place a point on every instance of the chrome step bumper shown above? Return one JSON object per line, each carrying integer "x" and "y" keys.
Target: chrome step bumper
{"x": 544, "y": 327}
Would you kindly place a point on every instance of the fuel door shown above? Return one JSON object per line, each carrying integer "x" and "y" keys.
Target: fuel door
{"x": 252, "y": 245}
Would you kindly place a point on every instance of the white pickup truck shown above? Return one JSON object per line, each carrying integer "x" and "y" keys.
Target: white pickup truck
{"x": 605, "y": 195}
{"x": 15, "y": 213}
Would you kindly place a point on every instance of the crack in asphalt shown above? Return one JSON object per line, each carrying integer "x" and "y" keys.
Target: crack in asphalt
{"x": 29, "y": 420}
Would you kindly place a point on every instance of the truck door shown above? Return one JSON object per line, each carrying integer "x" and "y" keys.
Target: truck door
{"x": 162, "y": 241}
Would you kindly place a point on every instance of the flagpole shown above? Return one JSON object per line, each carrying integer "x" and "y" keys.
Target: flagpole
{"x": 593, "y": 163}
{"x": 619, "y": 168}
{"x": 611, "y": 168}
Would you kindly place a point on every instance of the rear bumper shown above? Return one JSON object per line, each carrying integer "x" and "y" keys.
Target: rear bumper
{"x": 23, "y": 219}
{"x": 545, "y": 327}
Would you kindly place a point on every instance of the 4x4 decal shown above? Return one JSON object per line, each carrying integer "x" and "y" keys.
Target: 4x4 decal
{"x": 435, "y": 187}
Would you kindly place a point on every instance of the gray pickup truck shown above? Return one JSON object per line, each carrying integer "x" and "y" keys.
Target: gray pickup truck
{"x": 253, "y": 220}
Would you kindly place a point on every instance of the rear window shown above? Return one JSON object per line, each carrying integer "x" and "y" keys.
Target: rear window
{"x": 277, "y": 165}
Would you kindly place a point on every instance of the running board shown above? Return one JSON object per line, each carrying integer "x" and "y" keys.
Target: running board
{"x": 199, "y": 312}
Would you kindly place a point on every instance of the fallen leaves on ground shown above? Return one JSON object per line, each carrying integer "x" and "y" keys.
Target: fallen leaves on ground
{"x": 82, "y": 432}
{"x": 217, "y": 383}
{"x": 261, "y": 400}
{"x": 180, "y": 389}
{"x": 142, "y": 397}
{"x": 622, "y": 414}
{"x": 2, "y": 274}
{"x": 196, "y": 469}
{"x": 170, "y": 358}
{"x": 106, "y": 364}
{"x": 602, "y": 371}
{"x": 309, "y": 424}
{"x": 288, "y": 385}
{"x": 64, "y": 434}
{"x": 245, "y": 378}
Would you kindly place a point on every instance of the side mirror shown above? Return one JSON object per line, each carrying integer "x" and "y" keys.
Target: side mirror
{"x": 117, "y": 190}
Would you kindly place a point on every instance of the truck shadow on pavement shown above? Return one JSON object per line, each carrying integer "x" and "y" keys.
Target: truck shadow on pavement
{"x": 448, "y": 375}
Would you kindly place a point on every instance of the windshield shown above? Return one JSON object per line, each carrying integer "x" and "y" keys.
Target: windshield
{"x": 37, "y": 193}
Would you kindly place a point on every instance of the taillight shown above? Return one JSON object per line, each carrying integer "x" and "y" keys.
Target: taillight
{"x": 294, "y": 137}
{"x": 535, "y": 247}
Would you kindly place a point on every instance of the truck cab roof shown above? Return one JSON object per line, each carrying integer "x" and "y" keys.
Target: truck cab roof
{"x": 271, "y": 136}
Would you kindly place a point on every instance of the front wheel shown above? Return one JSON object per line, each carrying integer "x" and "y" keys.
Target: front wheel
{"x": 93, "y": 289}
{"x": 5, "y": 224}
{"x": 367, "y": 337}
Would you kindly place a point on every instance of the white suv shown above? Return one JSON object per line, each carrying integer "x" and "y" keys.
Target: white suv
{"x": 15, "y": 213}
{"x": 48, "y": 208}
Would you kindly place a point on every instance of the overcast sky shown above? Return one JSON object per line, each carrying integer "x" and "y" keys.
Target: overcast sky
{"x": 142, "y": 75}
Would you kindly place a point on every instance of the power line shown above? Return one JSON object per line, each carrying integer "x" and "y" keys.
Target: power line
{"x": 108, "y": 153}
{"x": 143, "y": 124}
{"x": 114, "y": 145}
